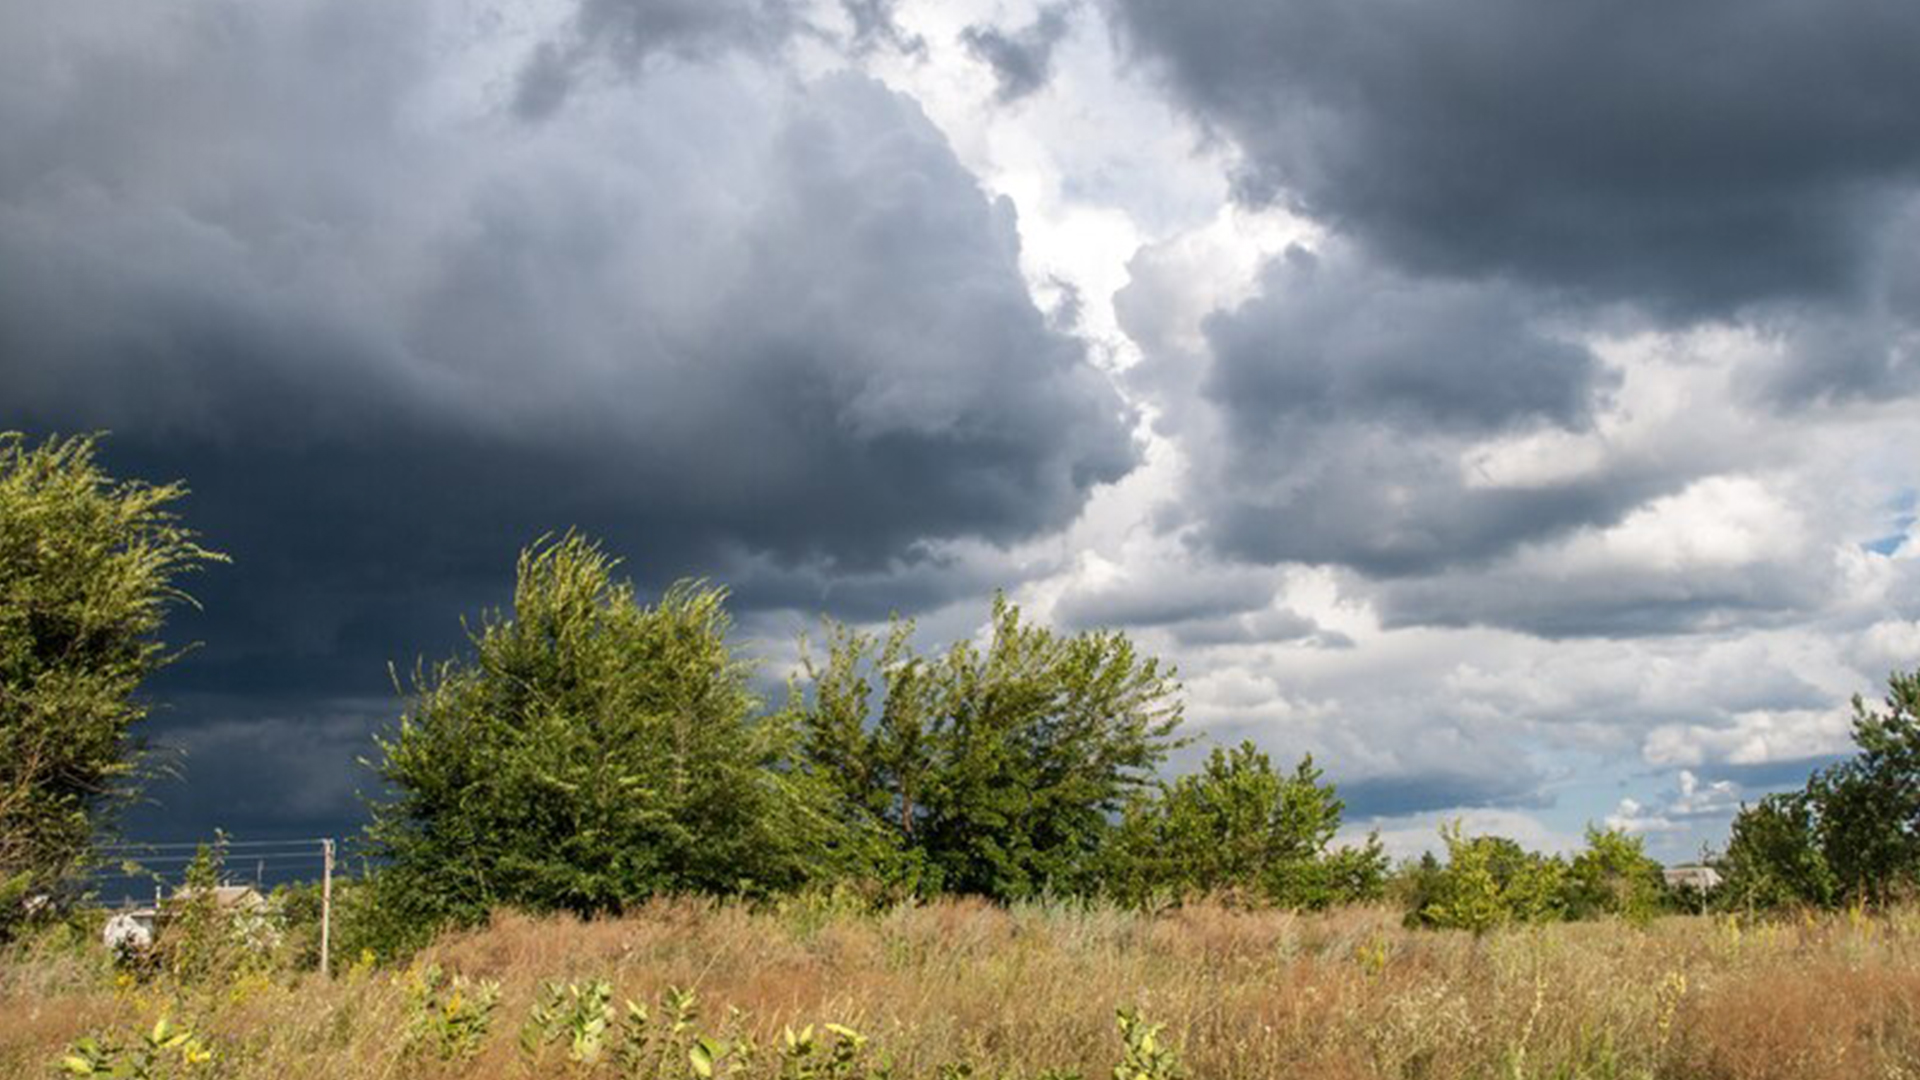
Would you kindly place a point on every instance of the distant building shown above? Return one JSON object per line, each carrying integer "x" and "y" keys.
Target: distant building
{"x": 134, "y": 929}
{"x": 237, "y": 899}
{"x": 1694, "y": 877}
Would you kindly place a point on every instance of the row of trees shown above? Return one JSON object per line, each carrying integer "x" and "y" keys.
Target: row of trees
{"x": 1488, "y": 881}
{"x": 593, "y": 750}
{"x": 590, "y": 750}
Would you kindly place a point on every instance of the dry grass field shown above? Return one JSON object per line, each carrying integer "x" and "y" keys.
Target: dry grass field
{"x": 959, "y": 989}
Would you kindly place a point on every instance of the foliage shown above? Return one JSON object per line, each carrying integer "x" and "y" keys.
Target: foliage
{"x": 1489, "y": 881}
{"x": 88, "y": 572}
{"x": 576, "y": 1015}
{"x": 201, "y": 941}
{"x": 995, "y": 771}
{"x": 165, "y": 1050}
{"x": 448, "y": 1017}
{"x": 804, "y": 1056}
{"x": 1146, "y": 1054}
{"x": 1239, "y": 826}
{"x": 591, "y": 752}
{"x": 1852, "y": 834}
{"x": 1774, "y": 857}
{"x": 662, "y": 1043}
{"x": 1613, "y": 876}
{"x": 362, "y": 923}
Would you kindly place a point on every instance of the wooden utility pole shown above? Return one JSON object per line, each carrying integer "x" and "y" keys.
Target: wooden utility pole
{"x": 326, "y": 904}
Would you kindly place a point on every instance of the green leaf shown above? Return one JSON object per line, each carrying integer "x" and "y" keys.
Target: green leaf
{"x": 701, "y": 1056}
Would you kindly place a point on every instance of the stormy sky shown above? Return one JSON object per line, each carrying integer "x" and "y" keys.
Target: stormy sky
{"x": 1515, "y": 405}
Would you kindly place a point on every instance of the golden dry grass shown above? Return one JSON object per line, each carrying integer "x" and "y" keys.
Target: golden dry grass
{"x": 1245, "y": 994}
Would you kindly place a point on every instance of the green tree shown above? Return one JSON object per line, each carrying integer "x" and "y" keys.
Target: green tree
{"x": 996, "y": 770}
{"x": 593, "y": 751}
{"x": 1238, "y": 825}
{"x": 1489, "y": 881}
{"x": 1852, "y": 834}
{"x": 89, "y": 570}
{"x": 1774, "y": 857}
{"x": 1869, "y": 807}
{"x": 1613, "y": 876}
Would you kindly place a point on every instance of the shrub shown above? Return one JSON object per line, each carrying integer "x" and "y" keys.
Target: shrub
{"x": 448, "y": 1017}
{"x": 1145, "y": 1055}
{"x": 591, "y": 752}
{"x": 1489, "y": 881}
{"x": 1614, "y": 876}
{"x": 161, "y": 1052}
{"x": 1239, "y": 826}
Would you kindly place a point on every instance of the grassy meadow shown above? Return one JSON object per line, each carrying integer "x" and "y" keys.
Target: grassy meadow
{"x": 955, "y": 989}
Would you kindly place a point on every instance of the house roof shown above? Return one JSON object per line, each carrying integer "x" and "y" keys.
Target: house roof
{"x": 226, "y": 896}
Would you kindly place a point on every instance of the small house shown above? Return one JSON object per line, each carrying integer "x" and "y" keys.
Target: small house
{"x": 135, "y": 929}
{"x": 1692, "y": 877}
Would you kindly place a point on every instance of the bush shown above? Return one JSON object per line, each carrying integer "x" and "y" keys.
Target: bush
{"x": 591, "y": 752}
{"x": 1614, "y": 876}
{"x": 1240, "y": 827}
{"x": 1490, "y": 881}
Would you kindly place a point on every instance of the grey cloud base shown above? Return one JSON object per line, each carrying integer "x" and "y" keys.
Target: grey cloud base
{"x": 1502, "y": 181}
{"x": 390, "y": 335}
{"x": 1688, "y": 157}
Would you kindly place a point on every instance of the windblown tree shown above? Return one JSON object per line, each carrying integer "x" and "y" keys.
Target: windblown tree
{"x": 997, "y": 770}
{"x": 89, "y": 568}
{"x": 1239, "y": 826}
{"x": 593, "y": 751}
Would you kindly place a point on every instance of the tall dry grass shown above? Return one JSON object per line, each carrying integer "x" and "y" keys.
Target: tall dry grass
{"x": 1244, "y": 994}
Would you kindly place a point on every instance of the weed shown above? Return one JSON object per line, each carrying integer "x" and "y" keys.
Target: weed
{"x": 163, "y": 1051}
{"x": 1146, "y": 1055}
{"x": 448, "y": 1017}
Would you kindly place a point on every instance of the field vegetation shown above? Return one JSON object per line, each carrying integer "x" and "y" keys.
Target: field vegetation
{"x": 692, "y": 988}
{"x": 599, "y": 853}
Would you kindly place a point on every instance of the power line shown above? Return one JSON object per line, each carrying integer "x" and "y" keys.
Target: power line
{"x": 144, "y": 869}
{"x": 252, "y": 853}
{"x": 195, "y": 845}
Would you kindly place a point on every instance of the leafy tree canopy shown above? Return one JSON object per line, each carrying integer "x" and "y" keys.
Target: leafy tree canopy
{"x": 593, "y": 751}
{"x": 1852, "y": 834}
{"x": 1241, "y": 826}
{"x": 995, "y": 769}
{"x": 89, "y": 570}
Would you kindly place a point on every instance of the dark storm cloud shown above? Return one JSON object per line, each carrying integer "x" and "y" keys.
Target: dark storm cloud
{"x": 389, "y": 336}
{"x": 1420, "y": 791}
{"x": 1388, "y": 506}
{"x": 1688, "y": 157}
{"x": 1335, "y": 341}
{"x": 1864, "y": 351}
{"x": 1022, "y": 59}
{"x": 1626, "y": 602}
{"x": 630, "y": 32}
{"x": 1167, "y": 598}
{"x": 1337, "y": 403}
